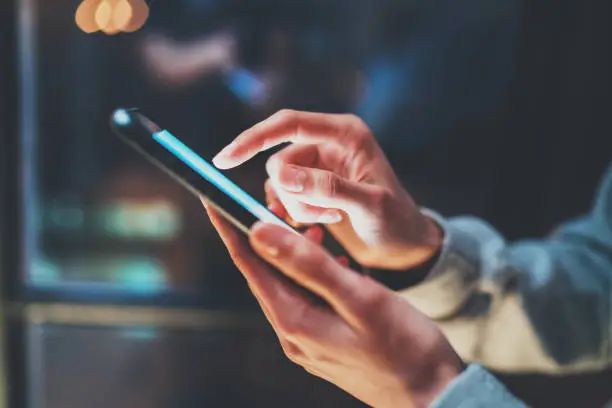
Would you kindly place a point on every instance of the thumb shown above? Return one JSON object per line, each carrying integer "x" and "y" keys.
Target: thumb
{"x": 322, "y": 188}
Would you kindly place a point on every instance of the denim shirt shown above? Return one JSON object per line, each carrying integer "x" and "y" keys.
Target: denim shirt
{"x": 538, "y": 306}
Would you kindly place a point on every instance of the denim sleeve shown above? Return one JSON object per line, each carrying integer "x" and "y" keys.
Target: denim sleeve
{"x": 539, "y": 306}
{"x": 476, "y": 388}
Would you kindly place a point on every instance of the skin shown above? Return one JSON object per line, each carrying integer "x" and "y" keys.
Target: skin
{"x": 334, "y": 173}
{"x": 367, "y": 340}
{"x": 364, "y": 338}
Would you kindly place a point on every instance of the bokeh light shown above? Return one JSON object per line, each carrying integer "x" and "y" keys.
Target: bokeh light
{"x": 111, "y": 16}
{"x": 122, "y": 14}
{"x": 140, "y": 14}
{"x": 104, "y": 17}
{"x": 86, "y": 16}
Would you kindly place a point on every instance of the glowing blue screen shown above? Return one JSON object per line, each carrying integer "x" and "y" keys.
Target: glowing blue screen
{"x": 210, "y": 173}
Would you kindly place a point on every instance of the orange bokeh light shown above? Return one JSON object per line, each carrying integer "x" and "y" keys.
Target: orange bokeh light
{"x": 111, "y": 16}
{"x": 86, "y": 16}
{"x": 104, "y": 17}
{"x": 122, "y": 14}
{"x": 140, "y": 14}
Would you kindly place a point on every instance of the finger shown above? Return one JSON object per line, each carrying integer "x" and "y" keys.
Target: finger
{"x": 271, "y": 195}
{"x": 274, "y": 203}
{"x": 282, "y": 127}
{"x": 256, "y": 272}
{"x": 306, "y": 156}
{"x": 325, "y": 189}
{"x": 347, "y": 292}
{"x": 306, "y": 214}
{"x": 315, "y": 234}
{"x": 343, "y": 260}
{"x": 278, "y": 207}
{"x": 285, "y": 307}
{"x": 253, "y": 268}
{"x": 331, "y": 157}
{"x": 303, "y": 155}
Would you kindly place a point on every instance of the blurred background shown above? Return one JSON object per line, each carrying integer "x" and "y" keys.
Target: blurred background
{"x": 116, "y": 290}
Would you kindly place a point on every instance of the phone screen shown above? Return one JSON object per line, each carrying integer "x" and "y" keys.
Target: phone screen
{"x": 215, "y": 177}
{"x": 189, "y": 168}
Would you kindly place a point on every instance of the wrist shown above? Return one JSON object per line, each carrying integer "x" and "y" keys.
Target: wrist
{"x": 422, "y": 244}
{"x": 416, "y": 269}
{"x": 435, "y": 383}
{"x": 424, "y": 398}
{"x": 431, "y": 241}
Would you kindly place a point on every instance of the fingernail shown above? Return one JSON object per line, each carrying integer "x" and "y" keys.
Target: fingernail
{"x": 315, "y": 234}
{"x": 273, "y": 251}
{"x": 267, "y": 238}
{"x": 227, "y": 150}
{"x": 222, "y": 159}
{"x": 331, "y": 217}
{"x": 222, "y": 162}
{"x": 294, "y": 179}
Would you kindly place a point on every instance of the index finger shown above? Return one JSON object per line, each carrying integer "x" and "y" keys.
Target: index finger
{"x": 283, "y": 127}
{"x": 350, "y": 294}
{"x": 284, "y": 305}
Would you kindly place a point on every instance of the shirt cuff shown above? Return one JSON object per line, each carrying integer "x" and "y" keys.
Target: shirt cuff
{"x": 452, "y": 278}
{"x": 476, "y": 388}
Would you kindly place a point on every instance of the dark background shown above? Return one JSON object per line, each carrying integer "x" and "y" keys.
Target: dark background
{"x": 116, "y": 288}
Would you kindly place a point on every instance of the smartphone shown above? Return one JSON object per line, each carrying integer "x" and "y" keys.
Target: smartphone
{"x": 199, "y": 176}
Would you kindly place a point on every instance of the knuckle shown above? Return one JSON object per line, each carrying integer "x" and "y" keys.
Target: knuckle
{"x": 285, "y": 115}
{"x": 292, "y": 351}
{"x": 359, "y": 129}
{"x": 358, "y": 137}
{"x": 356, "y": 122}
{"x": 380, "y": 200}
{"x": 361, "y": 143}
{"x": 293, "y": 356}
{"x": 312, "y": 371}
{"x": 329, "y": 185}
{"x": 291, "y": 328}
{"x": 373, "y": 299}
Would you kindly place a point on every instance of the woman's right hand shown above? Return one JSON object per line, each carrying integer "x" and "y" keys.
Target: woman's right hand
{"x": 335, "y": 173}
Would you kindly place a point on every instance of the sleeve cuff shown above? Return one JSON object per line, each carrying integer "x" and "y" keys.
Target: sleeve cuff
{"x": 476, "y": 388}
{"x": 452, "y": 278}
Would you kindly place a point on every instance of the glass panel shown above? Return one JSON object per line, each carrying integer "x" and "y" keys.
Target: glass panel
{"x": 98, "y": 217}
{"x": 74, "y": 367}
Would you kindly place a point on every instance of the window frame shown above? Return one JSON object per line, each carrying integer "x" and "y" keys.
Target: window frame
{"x": 19, "y": 189}
{"x": 25, "y": 307}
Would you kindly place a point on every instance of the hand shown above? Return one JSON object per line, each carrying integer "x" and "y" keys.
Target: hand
{"x": 369, "y": 341}
{"x": 335, "y": 173}
{"x": 314, "y": 232}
